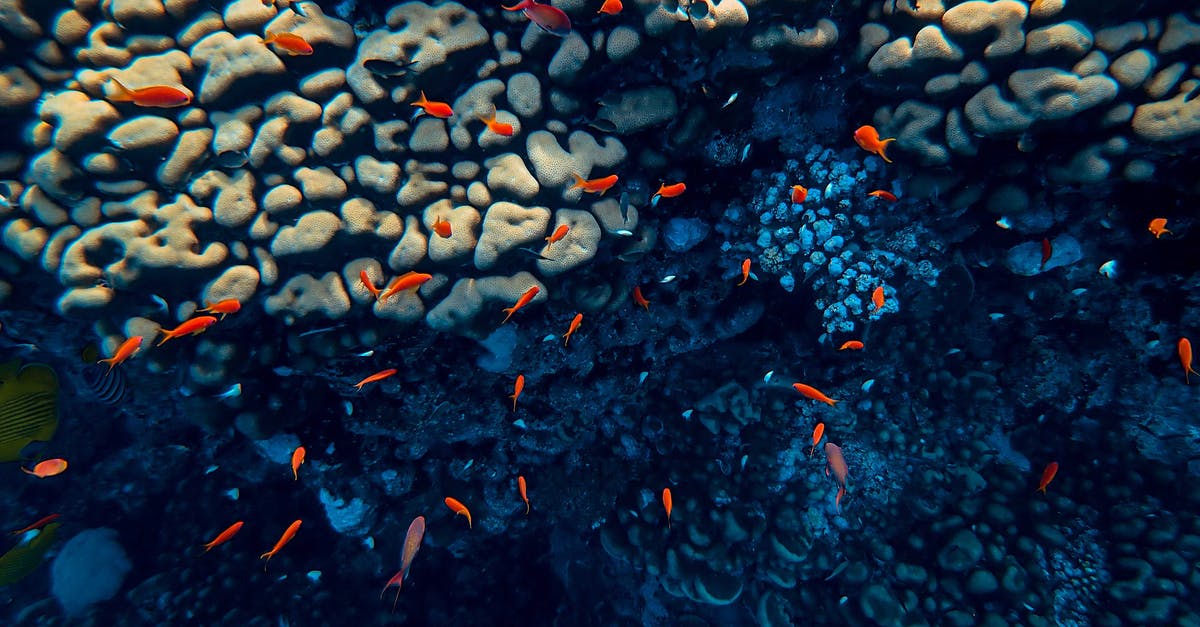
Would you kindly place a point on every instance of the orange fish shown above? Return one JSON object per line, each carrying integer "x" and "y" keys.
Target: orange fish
{"x": 883, "y": 195}
{"x": 368, "y": 283}
{"x": 745, "y": 271}
{"x": 868, "y": 139}
{"x": 499, "y": 128}
{"x": 668, "y": 191}
{"x": 524, "y": 494}
{"x": 297, "y": 459}
{"x": 557, "y": 235}
{"x": 37, "y": 525}
{"x": 521, "y": 302}
{"x": 412, "y": 544}
{"x": 1047, "y": 251}
{"x": 48, "y": 468}
{"x": 518, "y": 387}
{"x": 851, "y": 345}
{"x": 594, "y": 186}
{"x": 154, "y": 96}
{"x": 799, "y": 194}
{"x": 837, "y": 463}
{"x": 1048, "y": 476}
{"x": 639, "y": 299}
{"x": 124, "y": 351}
{"x": 814, "y": 394}
{"x": 436, "y": 109}
{"x": 378, "y": 376}
{"x": 877, "y": 298}
{"x": 224, "y": 307}
{"x": 287, "y": 536}
{"x": 1185, "y": 358}
{"x": 459, "y": 509}
{"x": 611, "y": 7}
{"x": 1158, "y": 226}
{"x": 442, "y": 227}
{"x": 195, "y": 326}
{"x": 224, "y": 536}
{"x": 292, "y": 44}
{"x": 666, "y": 501}
{"x": 818, "y": 433}
{"x": 407, "y": 281}
{"x": 571, "y": 329}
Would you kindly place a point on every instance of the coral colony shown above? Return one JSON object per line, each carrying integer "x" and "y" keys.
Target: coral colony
{"x": 599, "y": 312}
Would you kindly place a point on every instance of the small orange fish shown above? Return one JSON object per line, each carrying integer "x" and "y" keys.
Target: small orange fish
{"x": 459, "y": 509}
{"x": 154, "y": 96}
{"x": 1047, "y": 252}
{"x": 1185, "y": 358}
{"x": 639, "y": 299}
{"x": 571, "y": 329}
{"x": 48, "y": 468}
{"x": 813, "y": 393}
{"x": 518, "y": 387}
{"x": 368, "y": 284}
{"x": 799, "y": 194}
{"x": 442, "y": 227}
{"x": 1158, "y": 226}
{"x": 224, "y": 307}
{"x": 668, "y": 191}
{"x": 522, "y": 490}
{"x": 290, "y": 43}
{"x": 436, "y": 109}
{"x": 837, "y": 463}
{"x": 594, "y": 186}
{"x": 407, "y": 281}
{"x": 124, "y": 351}
{"x": 1048, "y": 476}
{"x": 745, "y": 271}
{"x": 877, "y": 298}
{"x": 499, "y": 128}
{"x": 378, "y": 376}
{"x": 557, "y": 235}
{"x": 611, "y": 7}
{"x": 666, "y": 500}
{"x": 287, "y": 536}
{"x": 224, "y": 536}
{"x": 195, "y": 326}
{"x": 818, "y": 433}
{"x": 42, "y": 522}
{"x": 521, "y": 302}
{"x": 867, "y": 138}
{"x": 412, "y": 544}
{"x": 297, "y": 459}
{"x": 883, "y": 195}
{"x": 851, "y": 345}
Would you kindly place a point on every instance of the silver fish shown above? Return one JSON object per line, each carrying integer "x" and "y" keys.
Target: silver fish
{"x": 535, "y": 254}
{"x": 365, "y": 353}
{"x": 233, "y": 391}
{"x": 745, "y": 153}
{"x": 624, "y": 207}
{"x": 667, "y": 279}
{"x": 732, "y": 97}
{"x": 383, "y": 67}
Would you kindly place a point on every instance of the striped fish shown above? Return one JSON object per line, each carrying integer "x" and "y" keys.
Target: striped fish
{"x": 28, "y": 407}
{"x": 110, "y": 388}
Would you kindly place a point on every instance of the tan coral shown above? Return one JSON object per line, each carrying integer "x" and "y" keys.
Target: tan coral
{"x": 474, "y": 305}
{"x": 576, "y": 248}
{"x": 506, "y": 227}
{"x": 411, "y": 248}
{"x": 555, "y": 167}
{"x": 360, "y": 217}
{"x": 238, "y": 282}
{"x": 234, "y": 204}
{"x": 306, "y": 295}
{"x": 232, "y": 63}
{"x": 310, "y": 234}
{"x": 1004, "y": 18}
{"x": 464, "y": 221}
{"x": 190, "y": 150}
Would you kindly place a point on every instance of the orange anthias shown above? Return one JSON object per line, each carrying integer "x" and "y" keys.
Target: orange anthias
{"x": 883, "y": 194}
{"x": 877, "y": 298}
{"x": 571, "y": 329}
{"x": 223, "y": 307}
{"x": 639, "y": 299}
{"x": 287, "y": 536}
{"x": 124, "y": 351}
{"x": 594, "y": 186}
{"x": 1047, "y": 251}
{"x": 42, "y": 522}
{"x": 518, "y": 387}
{"x": 1158, "y": 226}
{"x": 459, "y": 509}
{"x": 48, "y": 468}
{"x": 521, "y": 302}
{"x": 667, "y": 504}
{"x": 1185, "y": 358}
{"x": 868, "y": 139}
{"x": 557, "y": 235}
{"x": 153, "y": 96}
{"x": 290, "y": 43}
{"x": 851, "y": 345}
{"x": 818, "y": 433}
{"x": 668, "y": 191}
{"x": 1047, "y": 476}
{"x": 412, "y": 544}
{"x": 224, "y": 536}
{"x": 434, "y": 108}
{"x": 524, "y": 494}
{"x": 407, "y": 281}
{"x": 813, "y": 393}
{"x": 195, "y": 326}
{"x": 368, "y": 284}
{"x": 378, "y": 376}
{"x": 745, "y": 271}
{"x": 799, "y": 194}
{"x": 442, "y": 227}
{"x": 611, "y": 7}
{"x": 499, "y": 128}
{"x": 297, "y": 459}
{"x": 836, "y": 463}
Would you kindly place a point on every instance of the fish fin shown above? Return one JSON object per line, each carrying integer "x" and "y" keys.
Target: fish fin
{"x": 579, "y": 182}
{"x": 883, "y": 148}
{"x": 121, "y": 93}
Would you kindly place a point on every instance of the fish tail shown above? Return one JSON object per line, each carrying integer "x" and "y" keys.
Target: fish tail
{"x": 579, "y": 183}
{"x": 883, "y": 148}
{"x": 121, "y": 93}
{"x": 166, "y": 336}
{"x": 508, "y": 310}
{"x": 422, "y": 101}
